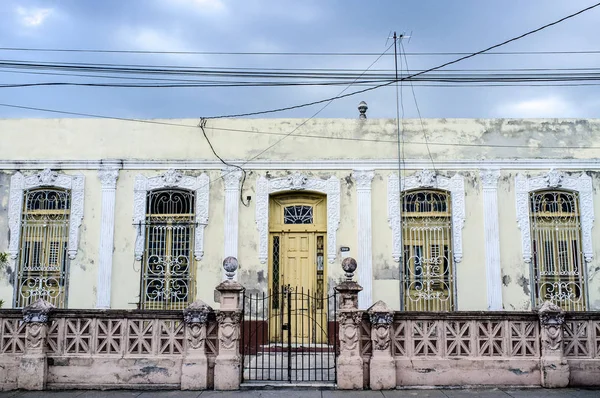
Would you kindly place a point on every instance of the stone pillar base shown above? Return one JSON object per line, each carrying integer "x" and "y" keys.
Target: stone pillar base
{"x": 349, "y": 373}
{"x": 33, "y": 372}
{"x": 227, "y": 373}
{"x": 555, "y": 373}
{"x": 382, "y": 373}
{"x": 194, "y": 374}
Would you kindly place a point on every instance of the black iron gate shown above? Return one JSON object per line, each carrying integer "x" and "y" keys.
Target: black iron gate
{"x": 289, "y": 336}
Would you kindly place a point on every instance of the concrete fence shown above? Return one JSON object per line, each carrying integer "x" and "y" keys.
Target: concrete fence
{"x": 199, "y": 348}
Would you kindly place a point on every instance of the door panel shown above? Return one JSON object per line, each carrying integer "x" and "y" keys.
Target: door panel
{"x": 298, "y": 274}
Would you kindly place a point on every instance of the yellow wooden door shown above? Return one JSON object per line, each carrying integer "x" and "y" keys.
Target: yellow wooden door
{"x": 299, "y": 274}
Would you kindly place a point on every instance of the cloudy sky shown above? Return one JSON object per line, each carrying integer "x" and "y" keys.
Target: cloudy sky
{"x": 296, "y": 26}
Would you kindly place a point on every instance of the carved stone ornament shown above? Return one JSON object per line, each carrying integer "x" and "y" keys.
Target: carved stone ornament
{"x": 551, "y": 318}
{"x": 19, "y": 183}
{"x": 554, "y": 178}
{"x": 380, "y": 337}
{"x": 36, "y": 336}
{"x": 582, "y": 184}
{"x": 197, "y": 312}
{"x": 427, "y": 179}
{"x": 349, "y": 336}
{"x": 37, "y": 312}
{"x": 171, "y": 179}
{"x": 229, "y": 328}
{"x": 46, "y": 177}
{"x": 354, "y": 317}
{"x": 196, "y": 335}
{"x": 294, "y": 182}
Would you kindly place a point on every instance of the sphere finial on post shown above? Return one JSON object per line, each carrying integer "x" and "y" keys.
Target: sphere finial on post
{"x": 349, "y": 266}
{"x": 230, "y": 265}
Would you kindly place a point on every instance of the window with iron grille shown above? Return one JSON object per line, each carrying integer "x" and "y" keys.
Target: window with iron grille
{"x": 557, "y": 255}
{"x": 43, "y": 260}
{"x": 168, "y": 266}
{"x": 428, "y": 277}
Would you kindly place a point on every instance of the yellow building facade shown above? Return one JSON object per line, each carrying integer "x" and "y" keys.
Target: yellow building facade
{"x": 491, "y": 214}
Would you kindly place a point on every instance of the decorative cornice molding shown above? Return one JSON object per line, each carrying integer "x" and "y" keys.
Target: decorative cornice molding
{"x": 427, "y": 179}
{"x": 297, "y": 181}
{"x": 171, "y": 179}
{"x": 46, "y": 178}
{"x": 581, "y": 184}
{"x": 324, "y": 164}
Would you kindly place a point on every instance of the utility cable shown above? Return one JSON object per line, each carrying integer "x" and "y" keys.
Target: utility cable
{"x": 311, "y": 117}
{"x": 202, "y": 125}
{"x": 302, "y": 54}
{"x": 412, "y": 88}
{"x": 415, "y": 74}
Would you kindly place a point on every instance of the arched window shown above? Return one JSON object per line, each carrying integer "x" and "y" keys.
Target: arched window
{"x": 557, "y": 255}
{"x": 428, "y": 278}
{"x": 43, "y": 259}
{"x": 167, "y": 279}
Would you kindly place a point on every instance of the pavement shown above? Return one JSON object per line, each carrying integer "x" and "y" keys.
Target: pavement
{"x": 293, "y": 393}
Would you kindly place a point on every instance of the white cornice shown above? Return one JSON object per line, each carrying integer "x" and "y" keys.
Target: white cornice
{"x": 338, "y": 164}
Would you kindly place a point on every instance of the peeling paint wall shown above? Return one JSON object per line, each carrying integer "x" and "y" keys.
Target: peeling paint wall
{"x": 159, "y": 142}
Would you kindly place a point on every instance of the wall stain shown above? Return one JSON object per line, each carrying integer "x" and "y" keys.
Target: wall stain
{"x": 524, "y": 283}
{"x": 506, "y": 280}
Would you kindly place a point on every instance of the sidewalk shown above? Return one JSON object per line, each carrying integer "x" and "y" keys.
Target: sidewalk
{"x": 438, "y": 393}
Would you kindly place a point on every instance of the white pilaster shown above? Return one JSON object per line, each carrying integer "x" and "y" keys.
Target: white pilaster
{"x": 489, "y": 180}
{"x": 108, "y": 177}
{"x": 364, "y": 257}
{"x": 231, "y": 178}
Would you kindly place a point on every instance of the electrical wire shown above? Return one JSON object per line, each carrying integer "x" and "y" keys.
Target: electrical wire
{"x": 412, "y": 88}
{"x": 202, "y": 125}
{"x": 308, "y": 119}
{"x": 410, "y": 76}
{"x": 301, "y": 54}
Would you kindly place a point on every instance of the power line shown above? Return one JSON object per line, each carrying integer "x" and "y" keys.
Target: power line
{"x": 382, "y": 141}
{"x": 316, "y": 54}
{"x": 412, "y": 88}
{"x": 421, "y": 72}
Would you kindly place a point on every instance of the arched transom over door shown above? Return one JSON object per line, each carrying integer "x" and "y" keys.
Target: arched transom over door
{"x": 297, "y": 256}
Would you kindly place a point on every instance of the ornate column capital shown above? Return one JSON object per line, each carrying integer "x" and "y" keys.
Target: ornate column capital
{"x": 37, "y": 312}
{"x": 489, "y": 178}
{"x": 231, "y": 178}
{"x": 363, "y": 179}
{"x": 196, "y": 313}
{"x": 108, "y": 177}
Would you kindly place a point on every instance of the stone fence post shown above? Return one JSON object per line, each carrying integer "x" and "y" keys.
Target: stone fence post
{"x": 554, "y": 367}
{"x": 33, "y": 371}
{"x": 349, "y": 363}
{"x": 382, "y": 370}
{"x": 228, "y": 362}
{"x": 194, "y": 367}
